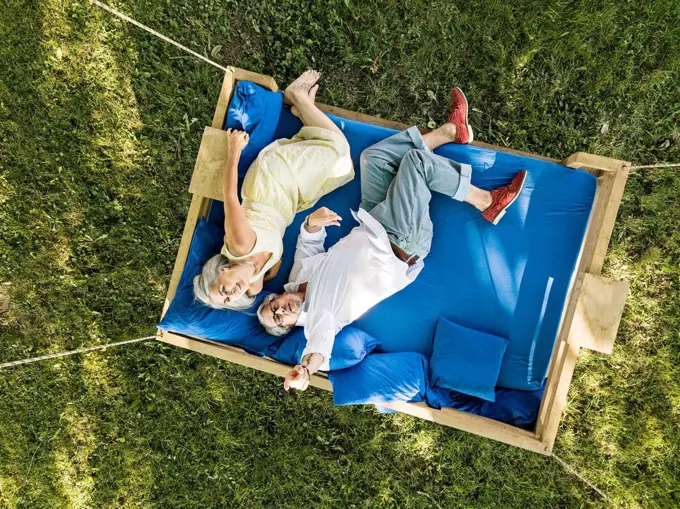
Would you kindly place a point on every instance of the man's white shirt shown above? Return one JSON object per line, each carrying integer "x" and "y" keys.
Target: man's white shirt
{"x": 342, "y": 284}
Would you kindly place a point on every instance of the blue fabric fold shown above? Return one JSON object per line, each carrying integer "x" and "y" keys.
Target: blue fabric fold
{"x": 255, "y": 110}
{"x": 381, "y": 378}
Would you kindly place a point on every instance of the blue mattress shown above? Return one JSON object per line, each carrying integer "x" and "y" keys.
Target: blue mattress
{"x": 510, "y": 280}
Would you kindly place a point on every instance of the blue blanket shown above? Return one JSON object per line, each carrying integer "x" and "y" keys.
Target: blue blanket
{"x": 510, "y": 280}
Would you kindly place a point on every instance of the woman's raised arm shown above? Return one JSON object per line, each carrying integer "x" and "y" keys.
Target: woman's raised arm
{"x": 239, "y": 236}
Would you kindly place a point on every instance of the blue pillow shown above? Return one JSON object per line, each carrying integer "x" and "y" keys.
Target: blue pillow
{"x": 255, "y": 110}
{"x": 466, "y": 360}
{"x": 350, "y": 347}
{"x": 188, "y": 316}
{"x": 381, "y": 378}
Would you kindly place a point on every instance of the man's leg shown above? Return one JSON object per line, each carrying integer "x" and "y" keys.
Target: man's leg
{"x": 380, "y": 163}
{"x": 405, "y": 212}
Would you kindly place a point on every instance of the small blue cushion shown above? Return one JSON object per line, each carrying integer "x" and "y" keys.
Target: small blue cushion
{"x": 350, "y": 347}
{"x": 255, "y": 110}
{"x": 381, "y": 378}
{"x": 466, "y": 360}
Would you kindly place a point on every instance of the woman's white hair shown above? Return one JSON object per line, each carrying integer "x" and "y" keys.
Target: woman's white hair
{"x": 207, "y": 278}
{"x": 277, "y": 330}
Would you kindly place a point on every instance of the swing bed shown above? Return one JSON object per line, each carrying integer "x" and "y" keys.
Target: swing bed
{"x": 570, "y": 306}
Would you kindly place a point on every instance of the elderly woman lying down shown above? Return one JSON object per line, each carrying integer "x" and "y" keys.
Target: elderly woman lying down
{"x": 287, "y": 177}
{"x": 381, "y": 256}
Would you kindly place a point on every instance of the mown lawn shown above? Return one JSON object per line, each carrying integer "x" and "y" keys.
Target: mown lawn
{"x": 99, "y": 128}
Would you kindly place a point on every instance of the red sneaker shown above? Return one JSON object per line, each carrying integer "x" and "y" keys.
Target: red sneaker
{"x": 459, "y": 116}
{"x": 503, "y": 197}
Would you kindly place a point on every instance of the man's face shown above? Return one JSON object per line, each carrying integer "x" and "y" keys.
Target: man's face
{"x": 283, "y": 310}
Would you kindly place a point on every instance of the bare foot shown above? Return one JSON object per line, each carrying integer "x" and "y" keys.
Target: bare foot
{"x": 448, "y": 130}
{"x": 312, "y": 92}
{"x": 312, "y": 97}
{"x": 445, "y": 133}
{"x": 301, "y": 87}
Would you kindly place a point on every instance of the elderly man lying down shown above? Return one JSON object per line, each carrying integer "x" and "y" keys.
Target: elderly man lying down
{"x": 329, "y": 290}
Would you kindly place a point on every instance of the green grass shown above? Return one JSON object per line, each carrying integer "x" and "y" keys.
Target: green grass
{"x": 99, "y": 128}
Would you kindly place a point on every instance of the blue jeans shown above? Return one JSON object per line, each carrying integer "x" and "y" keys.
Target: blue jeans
{"x": 398, "y": 176}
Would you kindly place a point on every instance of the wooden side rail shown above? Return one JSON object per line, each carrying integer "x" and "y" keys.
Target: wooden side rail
{"x": 261, "y": 79}
{"x": 612, "y": 175}
{"x": 583, "y": 160}
{"x": 447, "y": 416}
{"x": 223, "y": 100}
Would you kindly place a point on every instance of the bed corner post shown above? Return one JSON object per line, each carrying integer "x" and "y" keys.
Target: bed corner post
{"x": 261, "y": 79}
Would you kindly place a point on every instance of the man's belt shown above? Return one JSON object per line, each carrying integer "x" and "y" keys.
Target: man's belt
{"x": 403, "y": 255}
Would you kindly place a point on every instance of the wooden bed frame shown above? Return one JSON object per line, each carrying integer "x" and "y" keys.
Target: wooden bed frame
{"x": 590, "y": 318}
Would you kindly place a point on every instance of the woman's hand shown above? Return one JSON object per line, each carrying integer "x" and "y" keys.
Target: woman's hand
{"x": 237, "y": 141}
{"x": 298, "y": 378}
{"x": 320, "y": 218}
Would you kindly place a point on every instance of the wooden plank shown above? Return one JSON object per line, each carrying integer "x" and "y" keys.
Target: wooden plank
{"x": 197, "y": 209}
{"x": 391, "y": 124}
{"x": 236, "y": 355}
{"x": 611, "y": 184}
{"x": 556, "y": 374}
{"x": 598, "y": 313}
{"x": 226, "y": 92}
{"x": 362, "y": 117}
{"x": 261, "y": 79}
{"x": 601, "y": 246}
{"x": 583, "y": 160}
{"x": 207, "y": 179}
{"x": 471, "y": 423}
{"x": 449, "y": 417}
{"x": 549, "y": 424}
{"x": 199, "y": 205}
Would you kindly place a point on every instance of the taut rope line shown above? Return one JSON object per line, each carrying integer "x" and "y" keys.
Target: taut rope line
{"x": 71, "y": 352}
{"x": 157, "y": 34}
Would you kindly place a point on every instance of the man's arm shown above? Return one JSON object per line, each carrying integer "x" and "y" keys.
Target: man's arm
{"x": 312, "y": 236}
{"x": 239, "y": 236}
{"x": 320, "y": 333}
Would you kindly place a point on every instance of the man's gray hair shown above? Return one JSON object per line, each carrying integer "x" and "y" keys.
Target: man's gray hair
{"x": 277, "y": 330}
{"x": 207, "y": 278}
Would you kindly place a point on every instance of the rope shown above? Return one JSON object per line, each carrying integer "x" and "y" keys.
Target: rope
{"x": 660, "y": 165}
{"x": 573, "y": 471}
{"x": 72, "y": 352}
{"x": 157, "y": 34}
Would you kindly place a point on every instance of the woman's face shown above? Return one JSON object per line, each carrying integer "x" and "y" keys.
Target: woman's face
{"x": 232, "y": 283}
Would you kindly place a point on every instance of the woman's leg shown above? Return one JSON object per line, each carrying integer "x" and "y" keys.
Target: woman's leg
{"x": 301, "y": 94}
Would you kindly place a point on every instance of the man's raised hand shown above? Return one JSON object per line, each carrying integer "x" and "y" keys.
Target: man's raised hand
{"x": 321, "y": 217}
{"x": 298, "y": 378}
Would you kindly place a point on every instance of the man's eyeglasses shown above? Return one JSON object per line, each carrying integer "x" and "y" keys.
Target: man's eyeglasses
{"x": 278, "y": 319}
